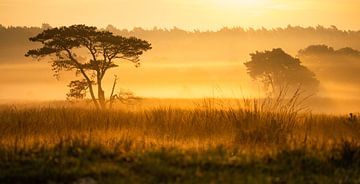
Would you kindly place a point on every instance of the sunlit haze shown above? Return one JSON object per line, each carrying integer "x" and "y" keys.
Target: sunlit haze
{"x": 199, "y": 47}
{"x": 186, "y": 14}
{"x": 179, "y": 91}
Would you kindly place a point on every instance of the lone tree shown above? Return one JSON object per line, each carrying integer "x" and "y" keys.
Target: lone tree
{"x": 64, "y": 45}
{"x": 278, "y": 70}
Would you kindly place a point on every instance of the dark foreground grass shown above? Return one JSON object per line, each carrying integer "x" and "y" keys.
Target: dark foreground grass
{"x": 252, "y": 143}
{"x": 79, "y": 162}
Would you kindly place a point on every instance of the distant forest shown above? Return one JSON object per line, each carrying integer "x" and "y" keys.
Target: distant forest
{"x": 177, "y": 45}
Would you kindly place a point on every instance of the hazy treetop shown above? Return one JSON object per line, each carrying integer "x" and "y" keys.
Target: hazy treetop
{"x": 327, "y": 50}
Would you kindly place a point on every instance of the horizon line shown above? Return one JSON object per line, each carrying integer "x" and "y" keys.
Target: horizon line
{"x": 170, "y": 28}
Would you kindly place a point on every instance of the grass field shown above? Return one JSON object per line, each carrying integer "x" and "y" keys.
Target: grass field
{"x": 210, "y": 141}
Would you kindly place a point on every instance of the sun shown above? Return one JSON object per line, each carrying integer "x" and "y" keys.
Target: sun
{"x": 237, "y": 3}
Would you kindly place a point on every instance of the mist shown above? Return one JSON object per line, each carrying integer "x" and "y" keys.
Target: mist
{"x": 195, "y": 64}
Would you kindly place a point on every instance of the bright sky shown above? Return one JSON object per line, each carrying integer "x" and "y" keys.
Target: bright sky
{"x": 186, "y": 14}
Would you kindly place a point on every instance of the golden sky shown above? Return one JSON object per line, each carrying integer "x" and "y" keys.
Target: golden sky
{"x": 186, "y": 14}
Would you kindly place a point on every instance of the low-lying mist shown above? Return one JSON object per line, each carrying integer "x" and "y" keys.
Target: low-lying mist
{"x": 186, "y": 65}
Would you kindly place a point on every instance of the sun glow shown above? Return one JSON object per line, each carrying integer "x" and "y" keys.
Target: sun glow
{"x": 237, "y": 3}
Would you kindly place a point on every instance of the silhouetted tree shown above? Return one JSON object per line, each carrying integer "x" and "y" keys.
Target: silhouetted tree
{"x": 64, "y": 44}
{"x": 339, "y": 67}
{"x": 278, "y": 70}
{"x": 316, "y": 49}
{"x": 321, "y": 50}
{"x": 45, "y": 26}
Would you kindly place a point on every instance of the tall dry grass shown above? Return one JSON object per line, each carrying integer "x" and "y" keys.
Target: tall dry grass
{"x": 248, "y": 126}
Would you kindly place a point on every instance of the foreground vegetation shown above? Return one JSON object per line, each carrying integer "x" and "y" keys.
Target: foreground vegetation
{"x": 76, "y": 161}
{"x": 267, "y": 142}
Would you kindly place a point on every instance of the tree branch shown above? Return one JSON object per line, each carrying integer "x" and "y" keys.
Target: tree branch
{"x": 85, "y": 76}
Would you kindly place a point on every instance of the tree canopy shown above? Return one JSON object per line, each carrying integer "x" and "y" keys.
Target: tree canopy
{"x": 317, "y": 50}
{"x": 278, "y": 70}
{"x": 338, "y": 66}
{"x": 66, "y": 46}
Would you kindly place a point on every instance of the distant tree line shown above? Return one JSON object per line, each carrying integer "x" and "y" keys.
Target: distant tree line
{"x": 230, "y": 44}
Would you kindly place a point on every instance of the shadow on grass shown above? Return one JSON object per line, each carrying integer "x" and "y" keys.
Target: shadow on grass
{"x": 79, "y": 162}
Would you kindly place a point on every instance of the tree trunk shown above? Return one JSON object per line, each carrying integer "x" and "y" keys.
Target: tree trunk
{"x": 101, "y": 94}
{"x": 85, "y": 76}
{"x": 93, "y": 96}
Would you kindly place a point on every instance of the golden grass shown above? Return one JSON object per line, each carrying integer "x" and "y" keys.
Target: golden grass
{"x": 247, "y": 126}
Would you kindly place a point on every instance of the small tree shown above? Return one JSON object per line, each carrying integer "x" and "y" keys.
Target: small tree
{"x": 65, "y": 45}
{"x": 278, "y": 70}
